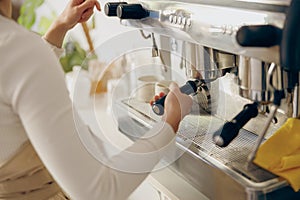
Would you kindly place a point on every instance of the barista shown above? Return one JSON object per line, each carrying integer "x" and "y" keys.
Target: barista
{"x": 41, "y": 154}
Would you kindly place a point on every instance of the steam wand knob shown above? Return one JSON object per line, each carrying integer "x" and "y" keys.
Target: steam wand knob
{"x": 224, "y": 135}
{"x": 132, "y": 11}
{"x": 259, "y": 36}
{"x": 189, "y": 88}
{"x": 110, "y": 8}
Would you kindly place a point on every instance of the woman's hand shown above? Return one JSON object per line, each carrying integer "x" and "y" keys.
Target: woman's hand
{"x": 76, "y": 11}
{"x": 177, "y": 106}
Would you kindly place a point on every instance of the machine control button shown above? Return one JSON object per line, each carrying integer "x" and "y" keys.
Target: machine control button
{"x": 229, "y": 30}
{"x": 179, "y": 20}
{"x": 188, "y": 22}
{"x": 174, "y": 19}
{"x": 171, "y": 18}
{"x": 180, "y": 17}
{"x": 184, "y": 21}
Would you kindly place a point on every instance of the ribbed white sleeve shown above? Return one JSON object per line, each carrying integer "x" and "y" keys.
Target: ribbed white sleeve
{"x": 57, "y": 51}
{"x": 32, "y": 83}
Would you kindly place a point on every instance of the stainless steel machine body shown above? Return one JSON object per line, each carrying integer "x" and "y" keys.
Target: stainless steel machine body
{"x": 224, "y": 42}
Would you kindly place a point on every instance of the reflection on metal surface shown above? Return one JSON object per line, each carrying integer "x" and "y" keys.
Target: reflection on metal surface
{"x": 222, "y": 168}
{"x": 213, "y": 23}
{"x": 224, "y": 42}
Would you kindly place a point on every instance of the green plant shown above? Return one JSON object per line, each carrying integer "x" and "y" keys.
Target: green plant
{"x": 74, "y": 54}
{"x": 45, "y": 23}
{"x": 27, "y": 16}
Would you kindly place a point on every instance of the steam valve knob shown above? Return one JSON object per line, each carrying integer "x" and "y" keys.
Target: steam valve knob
{"x": 132, "y": 11}
{"x": 258, "y": 36}
{"x": 110, "y": 8}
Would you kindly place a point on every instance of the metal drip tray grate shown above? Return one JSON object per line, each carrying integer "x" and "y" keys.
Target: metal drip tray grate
{"x": 198, "y": 129}
{"x": 233, "y": 156}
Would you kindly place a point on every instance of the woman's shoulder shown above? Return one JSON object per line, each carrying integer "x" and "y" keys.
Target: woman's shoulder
{"x": 14, "y": 34}
{"x": 25, "y": 48}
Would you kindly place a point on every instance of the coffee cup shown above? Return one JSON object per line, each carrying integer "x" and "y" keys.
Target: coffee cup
{"x": 146, "y": 87}
{"x": 162, "y": 86}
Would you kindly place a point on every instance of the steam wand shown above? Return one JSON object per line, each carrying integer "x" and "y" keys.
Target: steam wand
{"x": 155, "y": 50}
{"x": 278, "y": 96}
{"x": 261, "y": 136}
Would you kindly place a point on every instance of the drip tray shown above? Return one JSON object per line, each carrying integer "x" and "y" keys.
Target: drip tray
{"x": 219, "y": 173}
{"x": 234, "y": 156}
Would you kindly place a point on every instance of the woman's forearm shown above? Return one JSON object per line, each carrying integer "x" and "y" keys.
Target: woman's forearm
{"x": 56, "y": 33}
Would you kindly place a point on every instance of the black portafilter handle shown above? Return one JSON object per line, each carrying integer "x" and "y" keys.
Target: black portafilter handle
{"x": 189, "y": 88}
{"x": 224, "y": 135}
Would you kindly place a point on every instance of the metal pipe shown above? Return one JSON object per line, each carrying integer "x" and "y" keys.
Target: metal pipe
{"x": 296, "y": 101}
{"x": 261, "y": 136}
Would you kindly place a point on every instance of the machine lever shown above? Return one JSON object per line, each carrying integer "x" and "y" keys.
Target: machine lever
{"x": 110, "y": 8}
{"x": 224, "y": 135}
{"x": 189, "y": 88}
{"x": 132, "y": 11}
{"x": 259, "y": 36}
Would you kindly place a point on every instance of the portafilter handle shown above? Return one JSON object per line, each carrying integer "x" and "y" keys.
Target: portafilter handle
{"x": 190, "y": 87}
{"x": 224, "y": 135}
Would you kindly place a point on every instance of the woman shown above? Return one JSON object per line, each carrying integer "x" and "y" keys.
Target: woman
{"x": 40, "y": 148}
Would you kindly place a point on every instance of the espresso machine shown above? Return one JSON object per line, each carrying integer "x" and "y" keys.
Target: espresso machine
{"x": 244, "y": 56}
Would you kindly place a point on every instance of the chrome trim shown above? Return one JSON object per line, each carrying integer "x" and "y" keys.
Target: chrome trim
{"x": 210, "y": 25}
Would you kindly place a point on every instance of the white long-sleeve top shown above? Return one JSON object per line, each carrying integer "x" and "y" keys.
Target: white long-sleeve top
{"x": 35, "y": 105}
